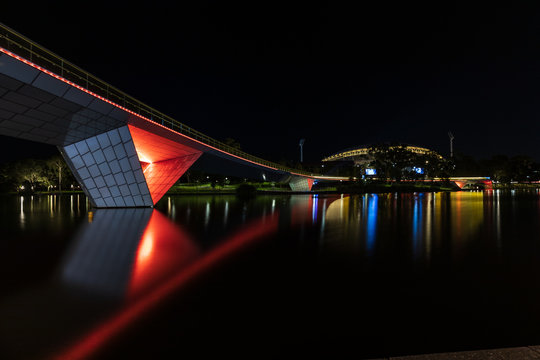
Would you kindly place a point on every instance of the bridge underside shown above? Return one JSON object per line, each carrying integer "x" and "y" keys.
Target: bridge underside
{"x": 120, "y": 159}
{"x": 473, "y": 183}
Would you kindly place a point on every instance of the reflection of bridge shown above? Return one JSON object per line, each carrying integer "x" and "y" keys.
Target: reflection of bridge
{"x": 124, "y": 263}
{"x": 122, "y": 152}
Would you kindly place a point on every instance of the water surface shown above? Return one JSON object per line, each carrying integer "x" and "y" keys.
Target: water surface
{"x": 305, "y": 275}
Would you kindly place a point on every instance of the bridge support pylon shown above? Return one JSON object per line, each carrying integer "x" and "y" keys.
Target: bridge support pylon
{"x": 300, "y": 183}
{"x": 124, "y": 167}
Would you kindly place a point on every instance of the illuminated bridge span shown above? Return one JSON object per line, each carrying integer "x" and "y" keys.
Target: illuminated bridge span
{"x": 123, "y": 152}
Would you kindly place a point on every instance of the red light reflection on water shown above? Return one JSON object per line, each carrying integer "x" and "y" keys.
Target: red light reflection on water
{"x": 164, "y": 248}
{"x": 104, "y": 332}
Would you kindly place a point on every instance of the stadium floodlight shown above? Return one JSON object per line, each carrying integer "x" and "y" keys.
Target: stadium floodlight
{"x": 451, "y": 136}
{"x": 302, "y": 149}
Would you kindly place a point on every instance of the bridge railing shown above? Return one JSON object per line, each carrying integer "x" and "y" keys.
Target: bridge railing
{"x": 38, "y": 55}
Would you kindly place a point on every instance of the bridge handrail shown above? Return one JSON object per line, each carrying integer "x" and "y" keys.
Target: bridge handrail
{"x": 36, "y": 54}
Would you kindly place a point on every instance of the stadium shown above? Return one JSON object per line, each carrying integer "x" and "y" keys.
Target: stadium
{"x": 364, "y": 156}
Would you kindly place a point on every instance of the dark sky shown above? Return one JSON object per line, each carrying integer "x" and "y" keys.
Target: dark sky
{"x": 270, "y": 73}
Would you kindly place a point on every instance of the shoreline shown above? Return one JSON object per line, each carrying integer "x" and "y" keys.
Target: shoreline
{"x": 509, "y": 353}
{"x": 381, "y": 189}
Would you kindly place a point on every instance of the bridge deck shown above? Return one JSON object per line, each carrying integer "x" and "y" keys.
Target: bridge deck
{"x": 28, "y": 52}
{"x": 122, "y": 152}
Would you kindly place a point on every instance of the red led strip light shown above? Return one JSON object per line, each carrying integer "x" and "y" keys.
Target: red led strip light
{"x": 7, "y": 52}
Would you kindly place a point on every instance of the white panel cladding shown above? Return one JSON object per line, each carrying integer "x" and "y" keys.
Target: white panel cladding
{"x": 101, "y": 257}
{"x": 298, "y": 183}
{"x": 108, "y": 168}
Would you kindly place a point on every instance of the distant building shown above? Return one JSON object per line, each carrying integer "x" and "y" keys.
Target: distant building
{"x": 361, "y": 156}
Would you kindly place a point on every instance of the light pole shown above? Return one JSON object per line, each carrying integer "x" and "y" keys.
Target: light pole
{"x": 451, "y": 136}
{"x": 302, "y": 149}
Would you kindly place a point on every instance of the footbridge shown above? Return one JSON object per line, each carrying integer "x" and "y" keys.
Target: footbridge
{"x": 464, "y": 182}
{"x": 122, "y": 152}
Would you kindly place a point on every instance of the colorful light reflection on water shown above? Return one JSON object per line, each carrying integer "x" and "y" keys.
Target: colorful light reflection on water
{"x": 118, "y": 266}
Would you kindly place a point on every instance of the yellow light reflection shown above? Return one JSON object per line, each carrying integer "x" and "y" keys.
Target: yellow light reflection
{"x": 467, "y": 215}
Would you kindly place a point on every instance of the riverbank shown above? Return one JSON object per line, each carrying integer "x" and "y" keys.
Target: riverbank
{"x": 269, "y": 188}
{"x": 226, "y": 189}
{"x": 516, "y": 186}
{"x": 515, "y": 353}
{"x": 386, "y": 187}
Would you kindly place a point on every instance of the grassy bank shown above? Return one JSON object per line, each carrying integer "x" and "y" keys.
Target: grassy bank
{"x": 207, "y": 188}
{"x": 372, "y": 187}
{"x": 515, "y": 186}
{"x": 348, "y": 188}
{"x": 385, "y": 187}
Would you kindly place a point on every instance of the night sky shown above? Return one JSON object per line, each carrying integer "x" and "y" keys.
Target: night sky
{"x": 270, "y": 73}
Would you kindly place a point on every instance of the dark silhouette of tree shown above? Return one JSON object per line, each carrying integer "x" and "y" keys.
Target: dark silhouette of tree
{"x": 498, "y": 168}
{"x": 520, "y": 168}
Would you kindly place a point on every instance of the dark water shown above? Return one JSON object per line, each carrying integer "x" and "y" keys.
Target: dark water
{"x": 271, "y": 277}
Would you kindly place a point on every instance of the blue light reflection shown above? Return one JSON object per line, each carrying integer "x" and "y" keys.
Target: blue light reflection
{"x": 371, "y": 224}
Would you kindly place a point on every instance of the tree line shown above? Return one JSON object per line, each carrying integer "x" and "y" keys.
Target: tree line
{"x": 396, "y": 162}
{"x": 393, "y": 162}
{"x": 501, "y": 168}
{"x": 34, "y": 175}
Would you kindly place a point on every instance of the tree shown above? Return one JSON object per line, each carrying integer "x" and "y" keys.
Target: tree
{"x": 520, "y": 167}
{"x": 56, "y": 167}
{"x": 391, "y": 160}
{"x": 8, "y": 181}
{"x": 498, "y": 168}
{"x": 434, "y": 165}
{"x": 379, "y": 154}
{"x": 30, "y": 173}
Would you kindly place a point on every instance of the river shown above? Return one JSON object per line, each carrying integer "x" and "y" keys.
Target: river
{"x": 274, "y": 276}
